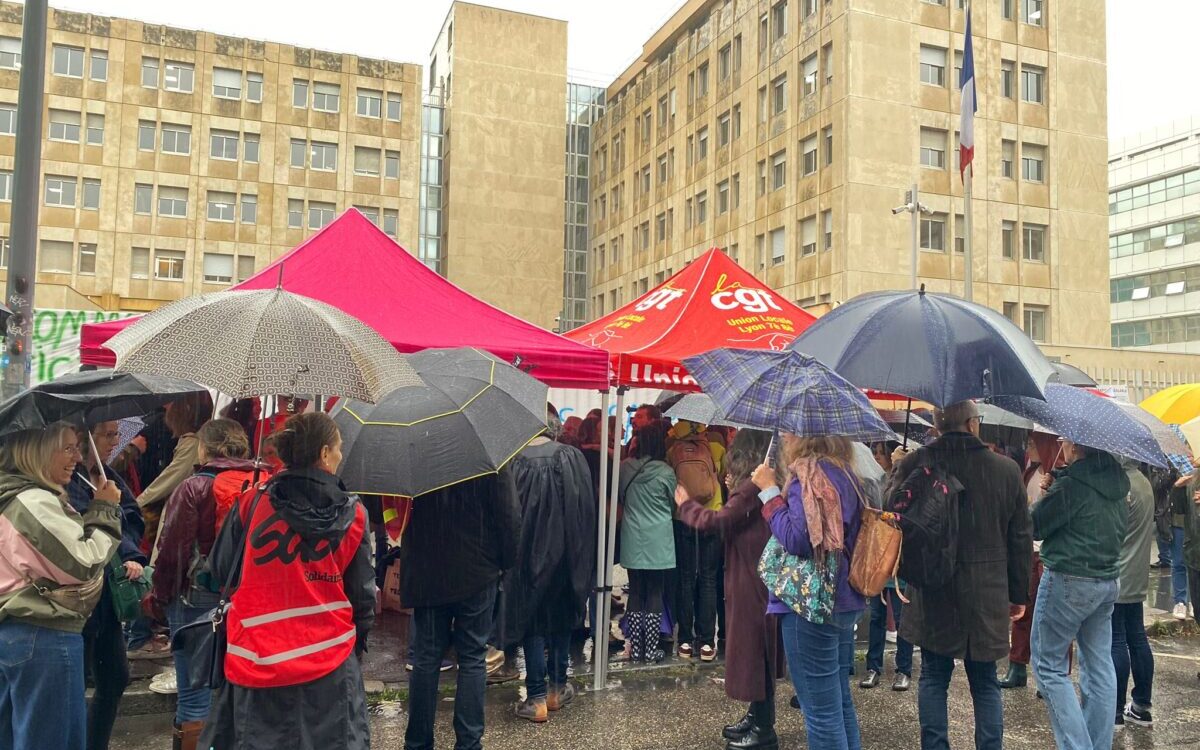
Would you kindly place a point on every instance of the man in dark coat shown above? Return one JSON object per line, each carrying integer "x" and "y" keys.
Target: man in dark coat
{"x": 458, "y": 543}
{"x": 546, "y": 593}
{"x": 969, "y": 618}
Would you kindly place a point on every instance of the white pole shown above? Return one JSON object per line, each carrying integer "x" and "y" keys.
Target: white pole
{"x": 969, "y": 266}
{"x": 600, "y": 632}
{"x": 916, "y": 233}
{"x": 610, "y": 552}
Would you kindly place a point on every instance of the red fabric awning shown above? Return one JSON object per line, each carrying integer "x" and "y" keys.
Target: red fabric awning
{"x": 352, "y": 265}
{"x": 713, "y": 302}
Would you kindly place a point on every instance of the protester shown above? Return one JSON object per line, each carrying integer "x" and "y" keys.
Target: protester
{"x": 547, "y": 590}
{"x": 1179, "y": 570}
{"x": 647, "y": 489}
{"x": 752, "y": 656}
{"x": 1130, "y": 648}
{"x": 183, "y": 418}
{"x": 52, "y": 562}
{"x": 299, "y": 618}
{"x": 458, "y": 542}
{"x": 968, "y": 619}
{"x": 1162, "y": 479}
{"x": 818, "y": 512}
{"x": 1081, "y": 522}
{"x": 103, "y": 635}
{"x": 877, "y": 636}
{"x": 1191, "y": 543}
{"x": 589, "y": 445}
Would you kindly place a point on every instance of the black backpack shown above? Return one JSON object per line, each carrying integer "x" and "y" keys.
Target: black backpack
{"x": 927, "y": 502}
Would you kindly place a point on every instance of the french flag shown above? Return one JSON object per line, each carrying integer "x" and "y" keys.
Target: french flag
{"x": 970, "y": 105}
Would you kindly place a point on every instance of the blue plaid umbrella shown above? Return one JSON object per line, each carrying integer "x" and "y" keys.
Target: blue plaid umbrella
{"x": 1088, "y": 419}
{"x": 786, "y": 391}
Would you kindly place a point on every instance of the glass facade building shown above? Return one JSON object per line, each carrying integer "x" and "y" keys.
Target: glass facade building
{"x": 585, "y": 104}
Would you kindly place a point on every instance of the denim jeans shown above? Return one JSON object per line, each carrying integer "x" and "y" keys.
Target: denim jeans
{"x": 819, "y": 658}
{"x": 1071, "y": 608}
{"x": 697, "y": 557}
{"x": 1131, "y": 652}
{"x": 41, "y": 688}
{"x": 191, "y": 704}
{"x": 1164, "y": 549}
{"x": 137, "y": 633}
{"x": 878, "y": 634}
{"x": 468, "y": 623}
{"x": 932, "y": 689}
{"x": 104, "y": 654}
{"x": 1179, "y": 580}
{"x": 551, "y": 651}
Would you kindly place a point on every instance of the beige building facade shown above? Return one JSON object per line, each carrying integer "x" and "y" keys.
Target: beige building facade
{"x": 786, "y": 132}
{"x": 177, "y": 162}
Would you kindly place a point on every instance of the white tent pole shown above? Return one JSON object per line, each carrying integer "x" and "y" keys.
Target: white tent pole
{"x": 600, "y": 632}
{"x": 613, "y": 488}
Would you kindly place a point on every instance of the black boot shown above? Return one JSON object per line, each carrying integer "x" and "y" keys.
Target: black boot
{"x": 1017, "y": 676}
{"x": 741, "y": 727}
{"x": 762, "y": 734}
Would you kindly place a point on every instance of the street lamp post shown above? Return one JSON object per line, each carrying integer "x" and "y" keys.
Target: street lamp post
{"x": 913, "y": 205}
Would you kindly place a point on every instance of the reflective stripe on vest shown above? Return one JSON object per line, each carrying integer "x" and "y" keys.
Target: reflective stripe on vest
{"x": 295, "y": 653}
{"x": 287, "y": 614}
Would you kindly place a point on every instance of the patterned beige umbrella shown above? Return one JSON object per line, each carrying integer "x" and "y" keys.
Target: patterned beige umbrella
{"x": 264, "y": 343}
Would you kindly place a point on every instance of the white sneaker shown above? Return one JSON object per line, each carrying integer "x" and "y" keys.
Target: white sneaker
{"x": 164, "y": 683}
{"x": 1180, "y": 612}
{"x": 890, "y": 637}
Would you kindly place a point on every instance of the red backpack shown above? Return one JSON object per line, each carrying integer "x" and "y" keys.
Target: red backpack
{"x": 230, "y": 486}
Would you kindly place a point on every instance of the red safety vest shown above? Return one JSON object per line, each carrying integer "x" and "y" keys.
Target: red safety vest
{"x": 289, "y": 621}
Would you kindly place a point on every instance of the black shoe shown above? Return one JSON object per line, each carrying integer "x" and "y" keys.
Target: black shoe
{"x": 901, "y": 683}
{"x": 739, "y": 729}
{"x": 1040, "y": 696}
{"x": 795, "y": 702}
{"x": 1135, "y": 714}
{"x": 755, "y": 739}
{"x": 870, "y": 681}
{"x": 1017, "y": 677}
{"x": 1161, "y": 564}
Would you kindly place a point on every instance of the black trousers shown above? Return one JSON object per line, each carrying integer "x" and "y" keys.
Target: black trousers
{"x": 646, "y": 591}
{"x": 104, "y": 655}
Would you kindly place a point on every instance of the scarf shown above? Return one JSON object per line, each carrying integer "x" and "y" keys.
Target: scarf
{"x": 822, "y": 506}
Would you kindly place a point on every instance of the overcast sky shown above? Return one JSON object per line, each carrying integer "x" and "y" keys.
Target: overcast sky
{"x": 1152, "y": 59}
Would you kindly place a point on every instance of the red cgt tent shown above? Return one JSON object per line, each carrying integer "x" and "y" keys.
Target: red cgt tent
{"x": 352, "y": 265}
{"x": 711, "y": 303}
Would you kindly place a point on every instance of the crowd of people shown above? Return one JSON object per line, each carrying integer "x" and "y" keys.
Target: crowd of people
{"x": 1053, "y": 562}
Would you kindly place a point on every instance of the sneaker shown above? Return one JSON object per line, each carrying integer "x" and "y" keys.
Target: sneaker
{"x": 558, "y": 697}
{"x": 707, "y": 653}
{"x": 158, "y": 647}
{"x": 1180, "y": 612}
{"x": 164, "y": 683}
{"x": 685, "y": 651}
{"x": 1135, "y": 714}
{"x": 506, "y": 673}
{"x": 533, "y": 709}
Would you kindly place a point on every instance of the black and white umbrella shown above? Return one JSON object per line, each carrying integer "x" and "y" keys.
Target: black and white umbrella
{"x": 264, "y": 343}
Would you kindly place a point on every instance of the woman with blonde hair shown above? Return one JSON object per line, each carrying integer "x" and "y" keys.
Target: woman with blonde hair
{"x": 817, "y": 514}
{"x": 52, "y": 562}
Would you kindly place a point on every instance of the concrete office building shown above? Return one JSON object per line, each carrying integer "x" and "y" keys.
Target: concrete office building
{"x": 1154, "y": 240}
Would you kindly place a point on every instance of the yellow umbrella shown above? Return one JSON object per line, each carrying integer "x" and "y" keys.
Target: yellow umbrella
{"x": 1175, "y": 405}
{"x": 1191, "y": 431}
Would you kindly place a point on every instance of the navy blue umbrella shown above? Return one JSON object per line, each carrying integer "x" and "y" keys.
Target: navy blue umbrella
{"x": 1085, "y": 418}
{"x": 934, "y": 347}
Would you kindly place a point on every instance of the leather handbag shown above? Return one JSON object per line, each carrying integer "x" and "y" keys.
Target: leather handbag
{"x": 876, "y": 553}
{"x": 127, "y": 594}
{"x": 204, "y": 641}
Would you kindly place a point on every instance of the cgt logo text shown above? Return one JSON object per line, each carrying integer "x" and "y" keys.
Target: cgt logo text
{"x": 735, "y": 296}
{"x": 660, "y": 298}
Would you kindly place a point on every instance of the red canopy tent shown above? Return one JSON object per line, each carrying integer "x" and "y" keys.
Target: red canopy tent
{"x": 352, "y": 265}
{"x": 713, "y": 302}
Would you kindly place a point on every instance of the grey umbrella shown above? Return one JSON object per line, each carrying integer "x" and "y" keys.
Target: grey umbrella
{"x": 1071, "y": 375}
{"x": 263, "y": 343}
{"x": 699, "y": 408}
{"x": 470, "y": 417}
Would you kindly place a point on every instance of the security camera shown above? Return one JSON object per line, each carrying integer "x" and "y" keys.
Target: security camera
{"x": 926, "y": 210}
{"x": 901, "y": 209}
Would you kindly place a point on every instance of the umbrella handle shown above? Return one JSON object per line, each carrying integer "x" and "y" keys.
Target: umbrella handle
{"x": 95, "y": 454}
{"x": 907, "y": 419}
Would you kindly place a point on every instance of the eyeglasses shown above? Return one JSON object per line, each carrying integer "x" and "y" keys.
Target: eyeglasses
{"x": 979, "y": 417}
{"x": 72, "y": 450}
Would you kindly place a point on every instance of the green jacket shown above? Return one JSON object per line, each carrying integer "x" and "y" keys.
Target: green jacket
{"x": 647, "y": 491}
{"x": 1081, "y": 518}
{"x": 1139, "y": 538}
{"x": 1191, "y": 526}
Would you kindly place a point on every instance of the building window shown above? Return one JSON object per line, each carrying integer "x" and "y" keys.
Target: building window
{"x": 394, "y": 106}
{"x": 762, "y": 177}
{"x": 827, "y": 62}
{"x": 663, "y": 175}
{"x": 95, "y": 130}
{"x": 827, "y": 229}
{"x": 701, "y": 212}
{"x": 176, "y": 139}
{"x": 251, "y": 154}
{"x": 319, "y": 214}
{"x": 1033, "y": 242}
{"x": 326, "y": 96}
{"x": 179, "y": 77}
{"x": 224, "y": 145}
{"x": 299, "y": 93}
{"x": 168, "y": 265}
{"x": 91, "y": 194}
{"x": 139, "y": 263}
{"x": 218, "y": 268}
{"x": 8, "y": 119}
{"x": 702, "y": 80}
{"x": 146, "y": 134}
{"x": 737, "y": 121}
{"x": 725, "y": 62}
{"x": 808, "y": 147}
{"x": 254, "y": 91}
{"x": 737, "y": 52}
{"x": 6, "y": 183}
{"x": 391, "y": 165}
{"x": 87, "y": 259}
{"x": 660, "y": 232}
{"x": 1008, "y": 151}
{"x": 1035, "y": 322}
{"x": 1032, "y": 82}
{"x": 808, "y": 236}
{"x": 370, "y": 103}
{"x": 778, "y": 169}
{"x": 827, "y": 138}
{"x": 10, "y": 56}
{"x": 702, "y": 144}
{"x": 1010, "y": 312}
{"x": 60, "y": 191}
{"x": 933, "y": 232}
{"x": 1006, "y": 9}
{"x": 391, "y": 223}
{"x": 143, "y": 198}
{"x": 227, "y": 83}
{"x": 99, "y": 68}
{"x": 64, "y": 126}
{"x": 762, "y": 104}
{"x": 150, "y": 72}
{"x": 933, "y": 66}
{"x": 324, "y": 156}
{"x": 1033, "y": 162}
{"x": 763, "y": 35}
{"x": 56, "y": 257}
{"x": 722, "y": 197}
{"x": 723, "y": 129}
{"x": 779, "y": 20}
{"x": 366, "y": 161}
{"x": 295, "y": 213}
{"x": 1008, "y": 79}
{"x": 221, "y": 206}
{"x": 67, "y": 61}
{"x": 249, "y": 208}
{"x": 172, "y": 201}
{"x": 779, "y": 95}
{"x": 778, "y": 246}
{"x": 245, "y": 267}
{"x": 960, "y": 228}
{"x": 1008, "y": 231}
{"x": 933, "y": 148}
{"x": 298, "y": 149}
{"x": 1031, "y": 12}
{"x": 808, "y": 69}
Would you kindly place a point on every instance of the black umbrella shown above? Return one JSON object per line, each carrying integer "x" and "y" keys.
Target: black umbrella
{"x": 90, "y": 398}
{"x": 1071, "y": 375}
{"x": 935, "y": 347}
{"x": 473, "y": 414}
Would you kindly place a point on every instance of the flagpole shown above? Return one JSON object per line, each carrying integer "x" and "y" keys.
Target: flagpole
{"x": 968, "y": 266}
{"x": 969, "y": 104}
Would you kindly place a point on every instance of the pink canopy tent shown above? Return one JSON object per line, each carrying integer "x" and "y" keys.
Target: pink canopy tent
{"x": 352, "y": 265}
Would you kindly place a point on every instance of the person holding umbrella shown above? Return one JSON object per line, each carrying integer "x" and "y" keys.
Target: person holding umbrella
{"x": 52, "y": 562}
{"x": 183, "y": 418}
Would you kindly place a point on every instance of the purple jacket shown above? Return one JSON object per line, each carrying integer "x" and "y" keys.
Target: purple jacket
{"x": 790, "y": 526}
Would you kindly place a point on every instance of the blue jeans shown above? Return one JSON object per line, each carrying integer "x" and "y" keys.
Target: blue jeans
{"x": 1179, "y": 580}
{"x": 932, "y": 688}
{"x": 137, "y": 633}
{"x": 1071, "y": 608}
{"x": 191, "y": 704}
{"x": 1164, "y": 549}
{"x": 1131, "y": 652}
{"x": 536, "y": 647}
{"x": 468, "y": 623}
{"x": 41, "y": 688}
{"x": 878, "y": 634}
{"x": 819, "y": 658}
